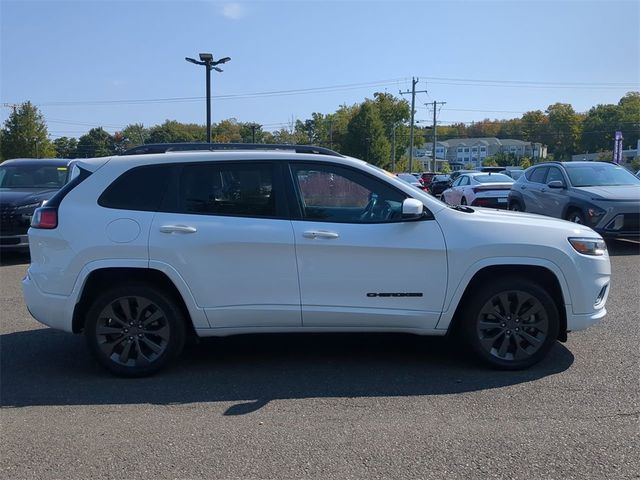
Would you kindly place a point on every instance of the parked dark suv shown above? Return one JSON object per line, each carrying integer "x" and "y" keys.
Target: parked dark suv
{"x": 604, "y": 196}
{"x": 26, "y": 184}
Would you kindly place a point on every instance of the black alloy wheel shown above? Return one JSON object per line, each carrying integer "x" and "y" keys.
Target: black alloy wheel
{"x": 135, "y": 330}
{"x": 512, "y": 323}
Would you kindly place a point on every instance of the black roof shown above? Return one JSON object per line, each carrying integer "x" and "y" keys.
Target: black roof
{"x": 183, "y": 147}
{"x": 57, "y": 162}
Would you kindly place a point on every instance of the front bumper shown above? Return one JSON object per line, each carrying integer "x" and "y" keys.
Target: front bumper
{"x": 620, "y": 220}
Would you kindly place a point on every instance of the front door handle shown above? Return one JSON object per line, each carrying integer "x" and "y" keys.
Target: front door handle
{"x": 320, "y": 234}
{"x": 178, "y": 229}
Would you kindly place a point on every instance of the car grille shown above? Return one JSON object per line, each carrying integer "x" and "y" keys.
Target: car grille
{"x": 10, "y": 222}
{"x": 624, "y": 223}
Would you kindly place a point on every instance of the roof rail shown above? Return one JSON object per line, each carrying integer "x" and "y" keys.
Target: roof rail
{"x": 184, "y": 147}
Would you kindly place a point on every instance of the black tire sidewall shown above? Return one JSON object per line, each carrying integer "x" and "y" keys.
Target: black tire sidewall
{"x": 577, "y": 213}
{"x": 164, "y": 301}
{"x": 484, "y": 293}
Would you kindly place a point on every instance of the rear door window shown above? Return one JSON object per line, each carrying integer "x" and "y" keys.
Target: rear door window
{"x": 233, "y": 189}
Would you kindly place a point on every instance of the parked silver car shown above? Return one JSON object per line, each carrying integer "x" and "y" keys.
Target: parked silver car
{"x": 604, "y": 196}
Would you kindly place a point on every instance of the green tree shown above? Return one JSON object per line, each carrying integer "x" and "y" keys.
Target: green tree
{"x": 135, "y": 134}
{"x": 247, "y": 133}
{"x": 172, "y": 131}
{"x": 629, "y": 118}
{"x": 599, "y": 127}
{"x": 489, "y": 162}
{"x": 24, "y": 134}
{"x": 366, "y": 136}
{"x": 564, "y": 130}
{"x": 446, "y": 168}
{"x": 534, "y": 126}
{"x": 95, "y": 143}
{"x": 65, "y": 147}
{"x": 525, "y": 162}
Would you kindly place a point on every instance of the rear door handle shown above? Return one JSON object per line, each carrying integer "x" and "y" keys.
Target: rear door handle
{"x": 178, "y": 229}
{"x": 320, "y": 234}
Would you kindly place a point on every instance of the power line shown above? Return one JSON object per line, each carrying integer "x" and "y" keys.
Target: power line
{"x": 274, "y": 93}
{"x": 534, "y": 82}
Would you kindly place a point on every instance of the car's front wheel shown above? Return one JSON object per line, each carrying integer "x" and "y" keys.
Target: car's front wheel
{"x": 511, "y": 323}
{"x": 575, "y": 216}
{"x": 135, "y": 330}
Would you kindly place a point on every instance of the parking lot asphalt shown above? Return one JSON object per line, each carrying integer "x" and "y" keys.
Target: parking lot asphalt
{"x": 324, "y": 406}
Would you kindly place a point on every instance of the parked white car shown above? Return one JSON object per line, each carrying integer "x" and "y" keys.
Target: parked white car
{"x": 480, "y": 189}
{"x": 140, "y": 251}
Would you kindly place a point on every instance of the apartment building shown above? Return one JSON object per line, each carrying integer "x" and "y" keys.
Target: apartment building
{"x": 462, "y": 151}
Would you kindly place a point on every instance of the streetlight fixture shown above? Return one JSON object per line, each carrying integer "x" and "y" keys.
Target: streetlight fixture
{"x": 206, "y": 59}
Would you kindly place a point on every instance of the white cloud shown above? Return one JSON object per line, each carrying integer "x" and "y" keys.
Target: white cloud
{"x": 234, "y": 11}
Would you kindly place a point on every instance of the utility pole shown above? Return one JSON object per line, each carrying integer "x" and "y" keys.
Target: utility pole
{"x": 393, "y": 149}
{"x": 253, "y": 132}
{"x": 414, "y": 81}
{"x": 435, "y": 135}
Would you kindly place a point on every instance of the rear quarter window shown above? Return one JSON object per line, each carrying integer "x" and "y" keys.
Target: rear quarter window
{"x": 141, "y": 188}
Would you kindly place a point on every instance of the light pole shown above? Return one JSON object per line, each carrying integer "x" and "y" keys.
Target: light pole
{"x": 206, "y": 59}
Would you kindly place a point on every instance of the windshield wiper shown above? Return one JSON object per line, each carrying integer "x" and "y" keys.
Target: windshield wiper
{"x": 462, "y": 208}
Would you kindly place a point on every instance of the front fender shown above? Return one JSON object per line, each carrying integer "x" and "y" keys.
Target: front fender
{"x": 460, "y": 288}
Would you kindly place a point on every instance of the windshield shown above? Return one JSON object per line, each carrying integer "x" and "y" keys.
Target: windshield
{"x": 493, "y": 178}
{"x": 600, "y": 175}
{"x": 32, "y": 176}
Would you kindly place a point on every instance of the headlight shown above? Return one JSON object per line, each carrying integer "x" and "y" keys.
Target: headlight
{"x": 589, "y": 246}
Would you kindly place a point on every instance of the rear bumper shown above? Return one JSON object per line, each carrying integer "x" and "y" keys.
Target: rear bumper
{"x": 14, "y": 242}
{"x": 55, "y": 311}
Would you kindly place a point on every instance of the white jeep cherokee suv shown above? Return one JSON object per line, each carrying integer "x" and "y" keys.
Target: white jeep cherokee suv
{"x": 140, "y": 251}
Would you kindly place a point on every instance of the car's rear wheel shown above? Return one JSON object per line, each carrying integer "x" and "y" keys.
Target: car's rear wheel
{"x": 135, "y": 330}
{"x": 511, "y": 323}
{"x": 515, "y": 206}
{"x": 463, "y": 201}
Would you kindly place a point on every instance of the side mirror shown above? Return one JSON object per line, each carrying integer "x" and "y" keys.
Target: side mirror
{"x": 556, "y": 184}
{"x": 412, "y": 209}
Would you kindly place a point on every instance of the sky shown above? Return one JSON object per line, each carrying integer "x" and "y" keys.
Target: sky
{"x": 89, "y": 63}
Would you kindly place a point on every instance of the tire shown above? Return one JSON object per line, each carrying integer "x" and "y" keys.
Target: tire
{"x": 463, "y": 201}
{"x": 135, "y": 330}
{"x": 575, "y": 216}
{"x": 516, "y": 207}
{"x": 496, "y": 326}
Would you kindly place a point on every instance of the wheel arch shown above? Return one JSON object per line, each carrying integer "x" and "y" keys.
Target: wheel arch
{"x": 100, "y": 278}
{"x": 540, "y": 274}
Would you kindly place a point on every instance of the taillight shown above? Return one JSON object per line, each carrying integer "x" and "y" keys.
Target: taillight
{"x": 45, "y": 217}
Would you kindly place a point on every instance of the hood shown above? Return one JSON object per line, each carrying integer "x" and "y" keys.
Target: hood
{"x": 613, "y": 192}
{"x": 541, "y": 222}
{"x": 18, "y": 196}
